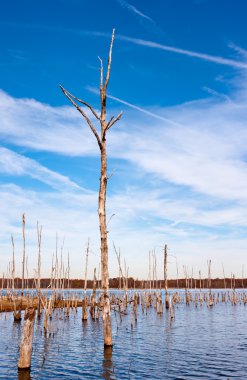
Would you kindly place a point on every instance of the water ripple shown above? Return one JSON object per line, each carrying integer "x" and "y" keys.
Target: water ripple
{"x": 200, "y": 343}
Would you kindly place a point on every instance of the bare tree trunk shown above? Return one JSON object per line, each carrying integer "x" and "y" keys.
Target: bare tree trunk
{"x": 84, "y": 302}
{"x": 27, "y": 272}
{"x": 153, "y": 255}
{"x": 101, "y": 140}
{"x": 17, "y": 313}
{"x": 93, "y": 295}
{"x": 104, "y": 248}
{"x": 99, "y": 280}
{"x": 224, "y": 276}
{"x": 243, "y": 276}
{"x": 121, "y": 271}
{"x": 39, "y": 235}
{"x": 26, "y": 339}
{"x": 177, "y": 275}
{"x": 3, "y": 282}
{"x": 165, "y": 278}
{"x": 24, "y": 252}
{"x": 68, "y": 285}
{"x": 13, "y": 264}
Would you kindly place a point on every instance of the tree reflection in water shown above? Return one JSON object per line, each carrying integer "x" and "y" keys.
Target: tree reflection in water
{"x": 24, "y": 375}
{"x": 107, "y": 365}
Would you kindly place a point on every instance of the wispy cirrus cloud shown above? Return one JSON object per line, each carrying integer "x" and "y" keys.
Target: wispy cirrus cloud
{"x": 192, "y": 172}
{"x": 15, "y": 164}
{"x": 144, "y": 19}
{"x": 133, "y": 9}
{"x": 180, "y": 173}
{"x": 205, "y": 154}
{"x": 242, "y": 52}
{"x": 29, "y": 123}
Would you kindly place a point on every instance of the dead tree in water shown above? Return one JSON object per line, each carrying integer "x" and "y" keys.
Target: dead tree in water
{"x": 165, "y": 278}
{"x": 101, "y": 140}
{"x": 39, "y": 235}
{"x": 13, "y": 264}
{"x": 26, "y": 339}
{"x": 93, "y": 296}
{"x": 84, "y": 301}
{"x": 16, "y": 311}
{"x": 24, "y": 253}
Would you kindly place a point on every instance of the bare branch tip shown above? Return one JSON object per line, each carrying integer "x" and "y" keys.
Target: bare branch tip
{"x": 62, "y": 88}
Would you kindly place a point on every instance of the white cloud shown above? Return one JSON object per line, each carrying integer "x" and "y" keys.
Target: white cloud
{"x": 242, "y": 52}
{"x": 71, "y": 215}
{"x": 134, "y": 228}
{"x": 205, "y": 154}
{"x": 206, "y": 150}
{"x": 19, "y": 165}
{"x": 29, "y": 123}
{"x": 192, "y": 184}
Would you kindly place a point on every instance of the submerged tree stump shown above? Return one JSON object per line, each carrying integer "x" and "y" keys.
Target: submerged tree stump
{"x": 17, "y": 315}
{"x": 26, "y": 339}
{"x": 106, "y": 314}
{"x": 84, "y": 309}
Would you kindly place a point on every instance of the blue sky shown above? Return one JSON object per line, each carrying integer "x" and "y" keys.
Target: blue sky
{"x": 178, "y": 154}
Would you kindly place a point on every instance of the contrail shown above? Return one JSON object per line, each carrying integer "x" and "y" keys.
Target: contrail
{"x": 143, "y": 110}
{"x": 141, "y": 42}
{"x": 205, "y": 57}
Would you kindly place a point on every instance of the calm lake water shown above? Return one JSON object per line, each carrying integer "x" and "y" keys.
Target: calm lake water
{"x": 200, "y": 343}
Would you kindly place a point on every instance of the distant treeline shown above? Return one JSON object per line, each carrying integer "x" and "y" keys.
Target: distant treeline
{"x": 215, "y": 283}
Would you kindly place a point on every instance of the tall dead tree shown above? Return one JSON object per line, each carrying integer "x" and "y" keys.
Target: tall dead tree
{"x": 13, "y": 264}
{"x": 165, "y": 278}
{"x": 39, "y": 235}
{"x": 101, "y": 140}
{"x": 24, "y": 253}
{"x": 84, "y": 302}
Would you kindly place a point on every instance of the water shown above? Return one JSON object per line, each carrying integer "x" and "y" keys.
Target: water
{"x": 200, "y": 343}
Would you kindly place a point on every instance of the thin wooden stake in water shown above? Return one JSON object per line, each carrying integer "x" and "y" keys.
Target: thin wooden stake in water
{"x": 84, "y": 302}
{"x": 13, "y": 264}
{"x": 243, "y": 276}
{"x": 224, "y": 276}
{"x": 165, "y": 278}
{"x": 24, "y": 252}
{"x": 39, "y": 236}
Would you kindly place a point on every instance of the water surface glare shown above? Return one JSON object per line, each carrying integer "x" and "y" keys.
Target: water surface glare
{"x": 199, "y": 343}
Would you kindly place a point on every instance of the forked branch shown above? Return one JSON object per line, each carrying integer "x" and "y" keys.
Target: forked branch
{"x": 84, "y": 103}
{"x": 113, "y": 121}
{"x": 67, "y": 94}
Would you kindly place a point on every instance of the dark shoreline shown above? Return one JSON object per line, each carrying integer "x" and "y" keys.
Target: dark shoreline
{"x": 181, "y": 283}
